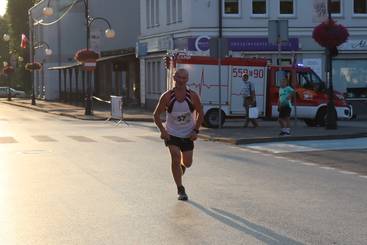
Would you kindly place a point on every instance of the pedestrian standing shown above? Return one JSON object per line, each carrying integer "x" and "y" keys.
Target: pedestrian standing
{"x": 249, "y": 99}
{"x": 286, "y": 93}
{"x": 184, "y": 116}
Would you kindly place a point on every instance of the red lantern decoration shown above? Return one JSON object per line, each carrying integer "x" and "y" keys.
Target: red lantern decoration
{"x": 33, "y": 66}
{"x": 329, "y": 34}
{"x": 86, "y": 55}
{"x": 8, "y": 70}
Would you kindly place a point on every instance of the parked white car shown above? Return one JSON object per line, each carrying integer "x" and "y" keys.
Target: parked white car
{"x": 14, "y": 93}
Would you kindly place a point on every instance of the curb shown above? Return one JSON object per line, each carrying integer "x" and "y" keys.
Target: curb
{"x": 80, "y": 117}
{"x": 248, "y": 141}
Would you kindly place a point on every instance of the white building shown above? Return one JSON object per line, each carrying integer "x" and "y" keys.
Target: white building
{"x": 177, "y": 24}
{"x": 65, "y": 31}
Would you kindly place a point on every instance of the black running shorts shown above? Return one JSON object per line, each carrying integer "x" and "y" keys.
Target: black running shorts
{"x": 185, "y": 144}
{"x": 284, "y": 111}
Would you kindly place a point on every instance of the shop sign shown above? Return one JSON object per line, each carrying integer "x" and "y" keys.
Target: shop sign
{"x": 245, "y": 44}
{"x": 200, "y": 43}
{"x": 360, "y": 44}
{"x": 260, "y": 44}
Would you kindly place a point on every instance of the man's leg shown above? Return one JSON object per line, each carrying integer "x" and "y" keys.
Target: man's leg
{"x": 247, "y": 108}
{"x": 187, "y": 158}
{"x": 175, "y": 164}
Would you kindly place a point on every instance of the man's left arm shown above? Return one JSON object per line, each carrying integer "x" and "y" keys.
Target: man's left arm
{"x": 199, "y": 111}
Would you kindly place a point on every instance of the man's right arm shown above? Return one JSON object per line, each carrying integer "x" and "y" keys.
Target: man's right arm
{"x": 160, "y": 108}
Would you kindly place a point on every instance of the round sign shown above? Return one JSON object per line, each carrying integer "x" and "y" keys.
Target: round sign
{"x": 202, "y": 43}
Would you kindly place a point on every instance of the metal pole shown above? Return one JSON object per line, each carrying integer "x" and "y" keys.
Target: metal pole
{"x": 220, "y": 34}
{"x": 31, "y": 26}
{"x": 88, "y": 100}
{"x": 331, "y": 112}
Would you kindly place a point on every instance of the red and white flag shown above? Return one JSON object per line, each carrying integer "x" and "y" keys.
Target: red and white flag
{"x": 24, "y": 41}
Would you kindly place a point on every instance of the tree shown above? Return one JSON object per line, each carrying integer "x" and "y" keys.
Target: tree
{"x": 16, "y": 19}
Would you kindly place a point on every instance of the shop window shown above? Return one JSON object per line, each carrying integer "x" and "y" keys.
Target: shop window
{"x": 259, "y": 7}
{"x": 360, "y": 7}
{"x": 231, "y": 8}
{"x": 350, "y": 77}
{"x": 286, "y": 7}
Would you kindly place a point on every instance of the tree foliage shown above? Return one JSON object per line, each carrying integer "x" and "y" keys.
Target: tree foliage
{"x": 16, "y": 23}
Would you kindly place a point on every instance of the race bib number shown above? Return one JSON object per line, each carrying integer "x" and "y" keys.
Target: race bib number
{"x": 182, "y": 119}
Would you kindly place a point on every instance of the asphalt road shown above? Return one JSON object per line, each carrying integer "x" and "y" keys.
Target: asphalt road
{"x": 64, "y": 181}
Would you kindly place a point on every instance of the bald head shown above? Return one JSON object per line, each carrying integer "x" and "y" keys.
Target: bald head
{"x": 182, "y": 72}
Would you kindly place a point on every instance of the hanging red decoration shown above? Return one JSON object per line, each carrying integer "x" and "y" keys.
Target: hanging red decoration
{"x": 329, "y": 34}
{"x": 86, "y": 55}
{"x": 33, "y": 66}
{"x": 8, "y": 69}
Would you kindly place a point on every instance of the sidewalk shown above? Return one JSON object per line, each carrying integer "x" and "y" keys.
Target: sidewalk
{"x": 232, "y": 131}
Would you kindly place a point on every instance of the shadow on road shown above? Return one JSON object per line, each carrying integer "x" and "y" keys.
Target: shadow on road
{"x": 259, "y": 232}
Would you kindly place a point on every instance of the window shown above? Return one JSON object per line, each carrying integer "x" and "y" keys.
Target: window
{"x": 335, "y": 7}
{"x": 280, "y": 75}
{"x": 152, "y": 13}
{"x": 259, "y": 7}
{"x": 286, "y": 7}
{"x": 231, "y": 8}
{"x": 154, "y": 73}
{"x": 174, "y": 11}
{"x": 360, "y": 7}
{"x": 309, "y": 80}
{"x": 350, "y": 76}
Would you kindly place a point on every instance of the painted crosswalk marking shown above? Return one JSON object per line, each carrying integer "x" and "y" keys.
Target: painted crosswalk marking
{"x": 117, "y": 139}
{"x": 43, "y": 138}
{"x": 7, "y": 140}
{"x": 81, "y": 138}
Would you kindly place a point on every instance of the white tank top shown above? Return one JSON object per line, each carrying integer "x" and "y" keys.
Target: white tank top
{"x": 180, "y": 122}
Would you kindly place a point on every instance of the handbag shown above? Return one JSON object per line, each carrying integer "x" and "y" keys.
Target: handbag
{"x": 253, "y": 113}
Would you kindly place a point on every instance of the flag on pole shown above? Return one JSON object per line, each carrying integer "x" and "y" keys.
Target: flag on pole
{"x": 320, "y": 10}
{"x": 23, "y": 43}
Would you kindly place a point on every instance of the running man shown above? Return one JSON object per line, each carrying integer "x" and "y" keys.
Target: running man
{"x": 184, "y": 116}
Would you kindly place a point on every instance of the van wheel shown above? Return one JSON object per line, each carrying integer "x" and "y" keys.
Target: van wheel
{"x": 311, "y": 122}
{"x": 211, "y": 118}
{"x": 321, "y": 117}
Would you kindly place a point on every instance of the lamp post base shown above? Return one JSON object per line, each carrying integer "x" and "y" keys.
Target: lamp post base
{"x": 33, "y": 100}
{"x": 88, "y": 106}
{"x": 331, "y": 117}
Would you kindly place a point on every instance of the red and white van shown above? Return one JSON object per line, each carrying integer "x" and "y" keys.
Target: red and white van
{"x": 310, "y": 103}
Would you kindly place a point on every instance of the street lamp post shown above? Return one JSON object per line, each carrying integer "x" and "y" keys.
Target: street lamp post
{"x": 331, "y": 117}
{"x": 110, "y": 33}
{"x": 6, "y": 38}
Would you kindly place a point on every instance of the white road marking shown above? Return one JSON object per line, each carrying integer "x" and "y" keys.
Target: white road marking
{"x": 363, "y": 176}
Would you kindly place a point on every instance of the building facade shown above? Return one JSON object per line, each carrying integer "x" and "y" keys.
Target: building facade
{"x": 65, "y": 32}
{"x": 188, "y": 25}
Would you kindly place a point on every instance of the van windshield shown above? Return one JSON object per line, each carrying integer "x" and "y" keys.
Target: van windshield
{"x": 310, "y": 80}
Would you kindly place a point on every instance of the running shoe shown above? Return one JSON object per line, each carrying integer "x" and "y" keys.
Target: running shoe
{"x": 181, "y": 194}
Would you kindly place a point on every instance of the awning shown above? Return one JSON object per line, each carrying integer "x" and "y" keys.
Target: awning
{"x": 65, "y": 67}
{"x": 115, "y": 57}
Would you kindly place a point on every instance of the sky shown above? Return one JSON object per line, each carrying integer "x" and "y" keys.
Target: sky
{"x": 3, "y": 7}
